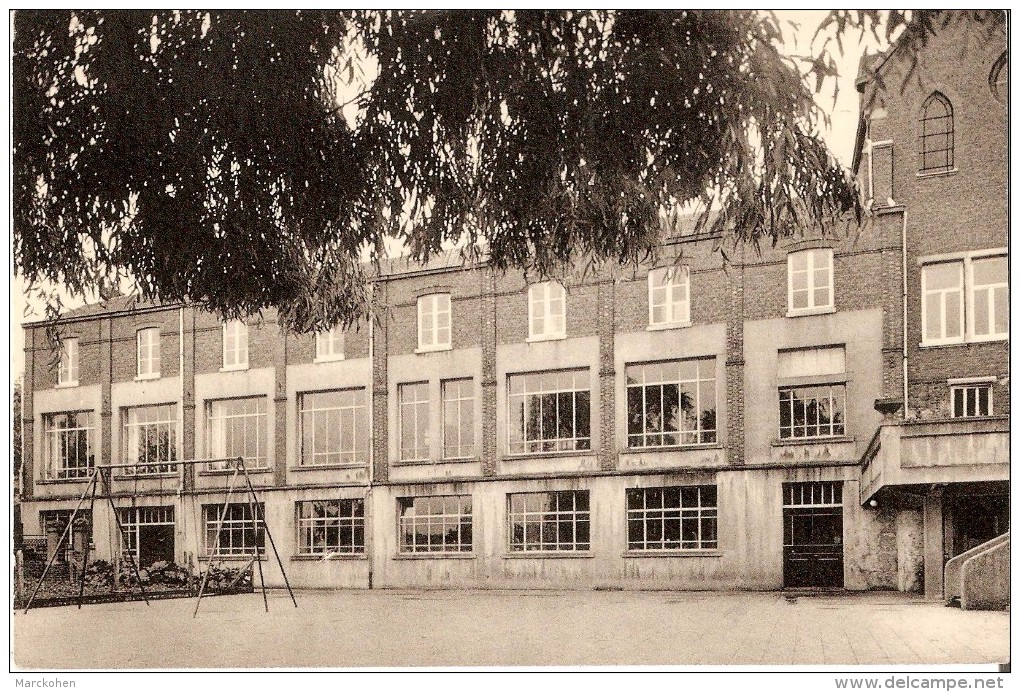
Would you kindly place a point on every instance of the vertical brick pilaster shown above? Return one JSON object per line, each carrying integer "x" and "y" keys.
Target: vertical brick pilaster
{"x": 280, "y": 408}
{"x": 188, "y": 398}
{"x": 606, "y": 316}
{"x": 735, "y": 365}
{"x": 105, "y": 401}
{"x": 380, "y": 384}
{"x": 487, "y": 321}
{"x": 28, "y": 385}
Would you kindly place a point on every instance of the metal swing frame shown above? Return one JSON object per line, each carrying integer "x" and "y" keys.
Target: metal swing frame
{"x": 92, "y": 489}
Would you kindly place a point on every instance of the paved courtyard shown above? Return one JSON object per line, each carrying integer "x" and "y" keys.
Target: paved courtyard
{"x": 533, "y": 628}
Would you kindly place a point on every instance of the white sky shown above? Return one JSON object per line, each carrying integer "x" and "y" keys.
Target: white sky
{"x": 839, "y": 136}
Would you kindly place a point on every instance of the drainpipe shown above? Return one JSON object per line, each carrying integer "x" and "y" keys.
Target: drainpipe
{"x": 903, "y": 241}
{"x": 369, "y": 548}
{"x": 180, "y": 418}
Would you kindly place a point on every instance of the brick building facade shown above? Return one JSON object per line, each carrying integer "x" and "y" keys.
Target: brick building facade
{"x": 687, "y": 425}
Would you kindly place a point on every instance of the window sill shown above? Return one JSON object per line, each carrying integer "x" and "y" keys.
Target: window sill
{"x": 794, "y": 441}
{"x": 435, "y": 556}
{"x": 224, "y": 472}
{"x": 144, "y": 476}
{"x": 433, "y": 349}
{"x": 539, "y": 339}
{"x": 329, "y": 359}
{"x": 55, "y": 481}
{"x": 234, "y": 368}
{"x": 145, "y": 378}
{"x": 549, "y": 455}
{"x": 811, "y": 311}
{"x": 672, "y": 448}
{"x": 328, "y": 557}
{"x": 667, "y": 326}
{"x": 231, "y": 558}
{"x": 710, "y": 552}
{"x": 938, "y": 174}
{"x": 326, "y": 467}
{"x": 66, "y": 385}
{"x": 544, "y": 554}
{"x": 962, "y": 342}
{"x": 434, "y": 462}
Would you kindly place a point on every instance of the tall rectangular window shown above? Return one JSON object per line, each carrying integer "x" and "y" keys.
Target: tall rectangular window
{"x": 331, "y": 527}
{"x": 236, "y": 531}
{"x": 809, "y": 276}
{"x": 971, "y": 400}
{"x": 413, "y": 402}
{"x": 68, "y": 444}
{"x": 237, "y": 428}
{"x": 439, "y": 524}
{"x": 148, "y": 533}
{"x": 669, "y": 296}
{"x": 672, "y": 518}
{"x": 942, "y": 315}
{"x": 329, "y": 345}
{"x": 458, "y": 418}
{"x": 434, "y": 322}
{"x": 989, "y": 298}
{"x": 334, "y": 427}
{"x": 147, "y": 342}
{"x": 547, "y": 311}
{"x": 67, "y": 373}
{"x": 549, "y": 522}
{"x": 671, "y": 403}
{"x": 549, "y": 411}
{"x": 149, "y": 439}
{"x": 235, "y": 345}
{"x": 812, "y": 392}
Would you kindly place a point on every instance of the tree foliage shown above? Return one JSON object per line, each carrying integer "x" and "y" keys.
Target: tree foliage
{"x": 247, "y": 160}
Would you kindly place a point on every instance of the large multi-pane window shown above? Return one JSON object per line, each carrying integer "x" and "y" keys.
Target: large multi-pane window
{"x": 547, "y": 311}
{"x": 965, "y": 300}
{"x": 331, "y": 527}
{"x": 671, "y": 403}
{"x": 334, "y": 427}
{"x": 235, "y": 345}
{"x": 458, "y": 418}
{"x": 936, "y": 150}
{"x": 672, "y": 518}
{"x": 971, "y": 400}
{"x": 549, "y": 411}
{"x": 147, "y": 346}
{"x": 809, "y": 273}
{"x": 150, "y": 439}
{"x": 329, "y": 345}
{"x": 235, "y": 531}
{"x": 237, "y": 428}
{"x": 549, "y": 522}
{"x": 434, "y": 322}
{"x": 812, "y": 393}
{"x": 439, "y": 524}
{"x": 147, "y": 532}
{"x": 67, "y": 372}
{"x": 68, "y": 444}
{"x": 413, "y": 403}
{"x": 669, "y": 296}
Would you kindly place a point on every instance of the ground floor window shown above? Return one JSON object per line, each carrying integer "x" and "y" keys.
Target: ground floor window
{"x": 439, "y": 524}
{"x": 672, "y": 518}
{"x": 148, "y": 534}
{"x": 328, "y": 527}
{"x": 239, "y": 532}
{"x": 547, "y": 522}
{"x": 971, "y": 400}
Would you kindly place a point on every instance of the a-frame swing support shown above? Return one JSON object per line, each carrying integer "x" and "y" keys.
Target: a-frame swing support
{"x": 92, "y": 488}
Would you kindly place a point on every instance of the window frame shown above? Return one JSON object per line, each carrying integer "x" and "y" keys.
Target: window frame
{"x": 421, "y": 427}
{"x": 546, "y": 299}
{"x": 831, "y": 425}
{"x": 700, "y": 433}
{"x": 170, "y": 421}
{"x": 970, "y": 290}
{"x": 262, "y": 447}
{"x": 67, "y": 368}
{"x": 553, "y": 518}
{"x": 964, "y": 263}
{"x": 360, "y": 432}
{"x": 925, "y": 317}
{"x": 671, "y": 278}
{"x": 703, "y": 514}
{"x": 211, "y": 514}
{"x": 352, "y": 521}
{"x": 442, "y": 519}
{"x": 61, "y": 472}
{"x": 811, "y": 308}
{"x": 148, "y": 353}
{"x": 524, "y": 442}
{"x": 330, "y": 338}
{"x": 129, "y": 540}
{"x": 463, "y": 450}
{"x": 924, "y": 153}
{"x": 239, "y": 329}
{"x": 963, "y": 387}
{"x": 432, "y": 308}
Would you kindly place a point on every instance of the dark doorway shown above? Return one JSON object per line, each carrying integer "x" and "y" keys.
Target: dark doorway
{"x": 976, "y": 519}
{"x": 813, "y": 535}
{"x": 155, "y": 543}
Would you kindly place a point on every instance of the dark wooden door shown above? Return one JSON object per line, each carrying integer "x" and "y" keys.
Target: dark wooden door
{"x": 813, "y": 547}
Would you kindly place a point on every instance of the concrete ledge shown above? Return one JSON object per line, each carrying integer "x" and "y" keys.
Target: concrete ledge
{"x": 954, "y": 568}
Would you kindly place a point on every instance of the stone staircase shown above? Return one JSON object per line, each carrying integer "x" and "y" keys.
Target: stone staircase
{"x": 979, "y": 578}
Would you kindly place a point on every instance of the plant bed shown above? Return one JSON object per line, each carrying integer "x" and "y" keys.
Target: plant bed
{"x": 161, "y": 580}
